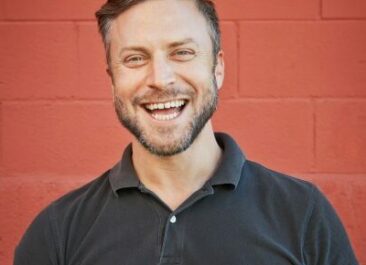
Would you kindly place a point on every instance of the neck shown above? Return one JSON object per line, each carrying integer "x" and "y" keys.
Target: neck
{"x": 175, "y": 178}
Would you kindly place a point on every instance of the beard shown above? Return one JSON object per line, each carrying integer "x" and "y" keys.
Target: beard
{"x": 188, "y": 135}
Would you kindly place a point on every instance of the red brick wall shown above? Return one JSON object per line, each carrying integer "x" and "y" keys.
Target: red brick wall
{"x": 294, "y": 98}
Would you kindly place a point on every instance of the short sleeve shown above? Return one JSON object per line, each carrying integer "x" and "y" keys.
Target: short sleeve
{"x": 325, "y": 239}
{"x": 36, "y": 246}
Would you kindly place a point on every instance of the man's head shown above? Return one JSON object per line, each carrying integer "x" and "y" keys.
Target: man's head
{"x": 113, "y": 8}
{"x": 165, "y": 68}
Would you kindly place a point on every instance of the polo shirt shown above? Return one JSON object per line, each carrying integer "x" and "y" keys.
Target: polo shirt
{"x": 245, "y": 214}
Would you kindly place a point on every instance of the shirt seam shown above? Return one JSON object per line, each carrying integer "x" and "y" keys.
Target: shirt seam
{"x": 55, "y": 233}
{"x": 308, "y": 216}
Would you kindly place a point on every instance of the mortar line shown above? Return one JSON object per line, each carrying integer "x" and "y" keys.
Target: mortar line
{"x": 222, "y": 20}
{"x": 314, "y": 156}
{"x": 243, "y": 98}
{"x": 237, "y": 34}
{"x": 321, "y": 9}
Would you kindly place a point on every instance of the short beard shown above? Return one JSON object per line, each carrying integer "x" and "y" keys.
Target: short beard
{"x": 195, "y": 127}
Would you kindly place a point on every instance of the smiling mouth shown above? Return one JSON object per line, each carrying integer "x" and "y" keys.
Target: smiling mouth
{"x": 165, "y": 111}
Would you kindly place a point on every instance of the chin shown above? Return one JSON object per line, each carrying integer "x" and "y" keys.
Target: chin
{"x": 166, "y": 145}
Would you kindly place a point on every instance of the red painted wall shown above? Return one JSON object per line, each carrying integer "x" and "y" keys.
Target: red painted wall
{"x": 294, "y": 98}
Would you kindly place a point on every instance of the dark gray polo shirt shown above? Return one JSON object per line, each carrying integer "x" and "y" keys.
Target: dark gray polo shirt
{"x": 245, "y": 214}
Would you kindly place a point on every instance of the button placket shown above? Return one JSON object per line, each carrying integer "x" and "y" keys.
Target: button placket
{"x": 173, "y": 240}
{"x": 171, "y": 249}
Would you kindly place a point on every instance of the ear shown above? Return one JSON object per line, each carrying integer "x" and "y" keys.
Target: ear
{"x": 109, "y": 72}
{"x": 113, "y": 93}
{"x": 220, "y": 69}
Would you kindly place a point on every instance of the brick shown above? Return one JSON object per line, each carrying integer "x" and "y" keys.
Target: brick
{"x": 51, "y": 10}
{"x": 1, "y": 138}
{"x": 270, "y": 131}
{"x": 1, "y": 146}
{"x": 93, "y": 79}
{"x": 61, "y": 138}
{"x": 2, "y": 11}
{"x": 230, "y": 48}
{"x": 262, "y": 9}
{"x": 38, "y": 60}
{"x": 20, "y": 201}
{"x": 301, "y": 59}
{"x": 347, "y": 195}
{"x": 344, "y": 9}
{"x": 340, "y": 136}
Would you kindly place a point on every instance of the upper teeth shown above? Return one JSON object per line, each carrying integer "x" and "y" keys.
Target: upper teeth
{"x": 166, "y": 105}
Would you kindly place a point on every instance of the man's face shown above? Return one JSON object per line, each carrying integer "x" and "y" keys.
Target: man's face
{"x": 165, "y": 79}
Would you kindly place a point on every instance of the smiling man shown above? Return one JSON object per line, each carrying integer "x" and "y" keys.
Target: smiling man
{"x": 165, "y": 75}
{"x": 181, "y": 194}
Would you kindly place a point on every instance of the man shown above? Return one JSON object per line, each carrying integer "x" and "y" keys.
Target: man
{"x": 181, "y": 194}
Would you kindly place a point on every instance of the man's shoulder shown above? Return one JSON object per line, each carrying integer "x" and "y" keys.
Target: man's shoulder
{"x": 82, "y": 198}
{"x": 67, "y": 217}
{"x": 270, "y": 183}
{"x": 271, "y": 177}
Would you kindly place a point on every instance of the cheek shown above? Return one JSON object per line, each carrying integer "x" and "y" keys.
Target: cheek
{"x": 198, "y": 77}
{"x": 127, "y": 83}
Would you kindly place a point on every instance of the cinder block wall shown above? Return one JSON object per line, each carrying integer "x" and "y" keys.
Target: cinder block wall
{"x": 294, "y": 98}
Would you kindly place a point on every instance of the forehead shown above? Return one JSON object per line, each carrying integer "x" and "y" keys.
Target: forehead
{"x": 156, "y": 22}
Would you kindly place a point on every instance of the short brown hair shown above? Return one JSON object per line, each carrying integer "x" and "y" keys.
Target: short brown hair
{"x": 112, "y": 8}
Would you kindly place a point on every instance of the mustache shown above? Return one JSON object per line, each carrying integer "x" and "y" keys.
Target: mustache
{"x": 163, "y": 95}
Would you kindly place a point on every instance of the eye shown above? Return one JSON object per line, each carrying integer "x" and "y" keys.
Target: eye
{"x": 133, "y": 61}
{"x": 183, "y": 55}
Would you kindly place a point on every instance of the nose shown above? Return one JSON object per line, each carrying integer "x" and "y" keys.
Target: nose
{"x": 162, "y": 73}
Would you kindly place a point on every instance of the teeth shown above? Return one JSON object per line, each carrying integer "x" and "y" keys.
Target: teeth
{"x": 167, "y": 105}
{"x": 165, "y": 117}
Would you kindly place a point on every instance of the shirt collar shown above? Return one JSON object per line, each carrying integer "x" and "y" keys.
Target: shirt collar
{"x": 123, "y": 174}
{"x": 232, "y": 161}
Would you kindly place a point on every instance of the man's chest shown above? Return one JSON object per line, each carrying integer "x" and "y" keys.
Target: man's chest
{"x": 193, "y": 236}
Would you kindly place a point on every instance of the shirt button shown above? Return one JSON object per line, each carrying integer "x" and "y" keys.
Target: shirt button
{"x": 173, "y": 219}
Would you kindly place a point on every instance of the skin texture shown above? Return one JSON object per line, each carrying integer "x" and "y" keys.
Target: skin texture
{"x": 161, "y": 51}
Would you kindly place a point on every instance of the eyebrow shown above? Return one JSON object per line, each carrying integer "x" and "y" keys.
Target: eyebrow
{"x": 182, "y": 42}
{"x": 171, "y": 45}
{"x": 133, "y": 48}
